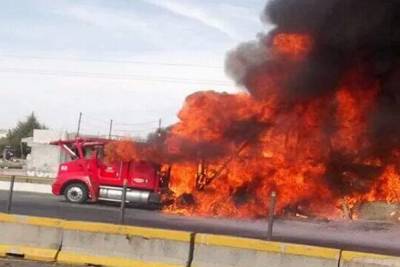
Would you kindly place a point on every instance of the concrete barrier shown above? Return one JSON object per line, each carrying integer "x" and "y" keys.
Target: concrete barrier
{"x": 83, "y": 243}
{"x": 225, "y": 251}
{"x": 30, "y": 237}
{"x": 359, "y": 259}
{"x": 113, "y": 245}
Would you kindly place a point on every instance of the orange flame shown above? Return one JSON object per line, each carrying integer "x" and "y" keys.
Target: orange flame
{"x": 293, "y": 45}
{"x": 228, "y": 152}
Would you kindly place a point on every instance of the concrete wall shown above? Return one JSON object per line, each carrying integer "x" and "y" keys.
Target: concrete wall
{"x": 44, "y": 159}
{"x": 3, "y": 133}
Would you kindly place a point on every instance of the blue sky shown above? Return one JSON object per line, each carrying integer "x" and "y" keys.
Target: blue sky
{"x": 130, "y": 60}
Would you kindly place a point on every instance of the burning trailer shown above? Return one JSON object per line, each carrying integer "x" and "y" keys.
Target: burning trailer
{"x": 319, "y": 113}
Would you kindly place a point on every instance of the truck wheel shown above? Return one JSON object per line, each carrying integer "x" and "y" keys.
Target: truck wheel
{"x": 76, "y": 193}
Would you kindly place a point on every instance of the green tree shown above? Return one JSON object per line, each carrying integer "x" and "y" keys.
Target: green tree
{"x": 22, "y": 130}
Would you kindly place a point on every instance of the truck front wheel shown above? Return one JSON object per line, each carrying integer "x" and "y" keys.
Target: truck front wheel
{"x": 76, "y": 193}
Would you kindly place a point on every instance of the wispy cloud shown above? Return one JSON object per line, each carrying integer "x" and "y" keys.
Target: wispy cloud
{"x": 59, "y": 35}
{"x": 112, "y": 24}
{"x": 196, "y": 13}
{"x": 101, "y": 17}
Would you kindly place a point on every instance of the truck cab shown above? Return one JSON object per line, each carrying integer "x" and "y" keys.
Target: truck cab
{"x": 86, "y": 176}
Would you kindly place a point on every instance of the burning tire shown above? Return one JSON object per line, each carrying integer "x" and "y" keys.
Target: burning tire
{"x": 76, "y": 193}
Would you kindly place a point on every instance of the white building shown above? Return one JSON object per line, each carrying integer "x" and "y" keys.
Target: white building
{"x": 3, "y": 133}
{"x": 44, "y": 159}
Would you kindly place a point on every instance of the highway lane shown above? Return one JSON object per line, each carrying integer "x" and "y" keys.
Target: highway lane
{"x": 357, "y": 235}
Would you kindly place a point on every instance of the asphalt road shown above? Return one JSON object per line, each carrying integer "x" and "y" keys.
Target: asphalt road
{"x": 356, "y": 235}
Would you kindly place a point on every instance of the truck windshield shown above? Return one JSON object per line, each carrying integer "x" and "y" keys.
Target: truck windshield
{"x": 65, "y": 156}
{"x": 89, "y": 152}
{"x": 92, "y": 151}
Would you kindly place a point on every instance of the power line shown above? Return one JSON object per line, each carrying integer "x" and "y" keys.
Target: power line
{"x": 96, "y": 126}
{"x": 136, "y": 124}
{"x": 91, "y": 118}
{"x": 139, "y": 130}
{"x": 111, "y": 76}
{"x": 135, "y": 62}
{"x": 96, "y": 119}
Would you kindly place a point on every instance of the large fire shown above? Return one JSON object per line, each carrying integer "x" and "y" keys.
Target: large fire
{"x": 304, "y": 129}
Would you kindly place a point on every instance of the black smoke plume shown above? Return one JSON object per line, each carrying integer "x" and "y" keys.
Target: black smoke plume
{"x": 345, "y": 33}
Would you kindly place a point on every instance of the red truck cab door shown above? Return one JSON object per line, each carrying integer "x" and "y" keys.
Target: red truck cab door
{"x": 109, "y": 174}
{"x": 143, "y": 175}
{"x": 139, "y": 175}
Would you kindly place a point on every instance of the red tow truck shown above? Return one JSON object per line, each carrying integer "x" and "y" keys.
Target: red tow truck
{"x": 85, "y": 176}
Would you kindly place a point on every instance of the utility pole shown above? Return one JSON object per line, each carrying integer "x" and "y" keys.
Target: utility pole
{"x": 21, "y": 147}
{"x": 159, "y": 126}
{"x": 123, "y": 202}
{"x": 10, "y": 194}
{"x": 271, "y": 215}
{"x": 110, "y": 132}
{"x": 79, "y": 124}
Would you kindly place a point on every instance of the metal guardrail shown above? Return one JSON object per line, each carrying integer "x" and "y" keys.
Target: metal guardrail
{"x": 11, "y": 165}
{"x": 12, "y": 179}
{"x": 27, "y": 179}
{"x": 10, "y": 194}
